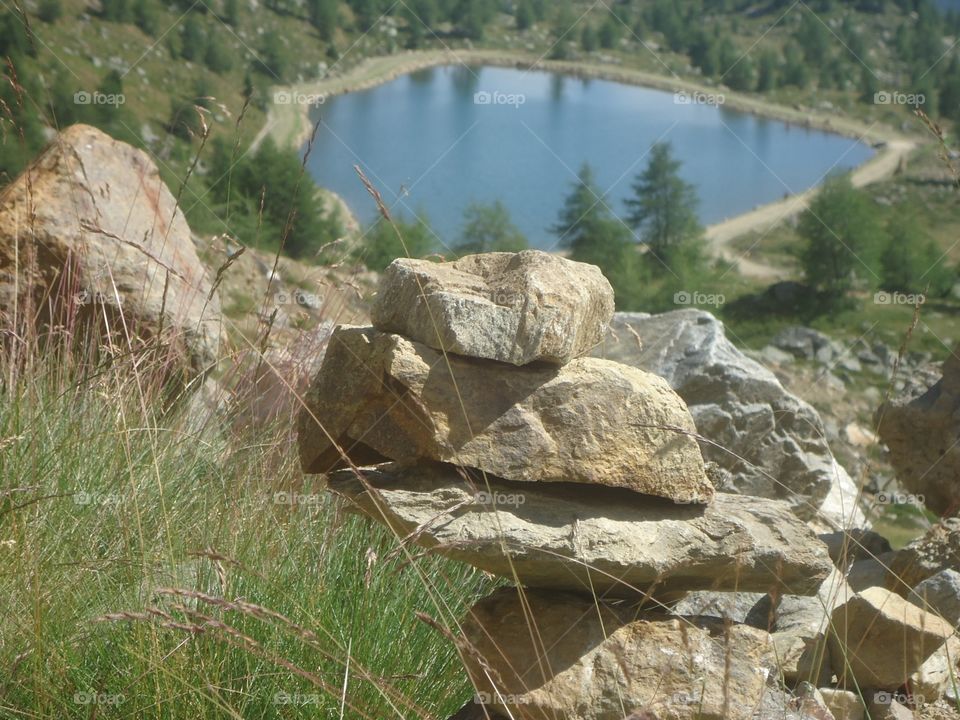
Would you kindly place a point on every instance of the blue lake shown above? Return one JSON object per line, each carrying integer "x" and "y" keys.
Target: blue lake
{"x": 429, "y": 142}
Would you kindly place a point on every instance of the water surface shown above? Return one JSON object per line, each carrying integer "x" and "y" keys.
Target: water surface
{"x": 429, "y": 143}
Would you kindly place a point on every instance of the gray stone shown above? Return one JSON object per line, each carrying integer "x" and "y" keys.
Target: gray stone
{"x": 800, "y": 625}
{"x": 847, "y": 546}
{"x": 767, "y": 442}
{"x": 939, "y": 594}
{"x": 771, "y": 355}
{"x": 546, "y": 655}
{"x": 804, "y": 343}
{"x": 511, "y": 307}
{"x": 735, "y": 606}
{"x": 587, "y": 539}
{"x": 874, "y": 572}
{"x": 933, "y": 553}
{"x": 381, "y": 396}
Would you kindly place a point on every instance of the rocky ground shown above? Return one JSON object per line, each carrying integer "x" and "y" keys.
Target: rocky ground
{"x": 673, "y": 521}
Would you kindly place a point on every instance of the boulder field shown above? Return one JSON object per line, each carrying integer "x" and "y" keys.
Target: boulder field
{"x": 653, "y": 510}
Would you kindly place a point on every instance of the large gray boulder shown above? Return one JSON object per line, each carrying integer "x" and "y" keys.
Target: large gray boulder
{"x": 511, "y": 307}
{"x": 768, "y": 442}
{"x": 921, "y": 434}
{"x": 546, "y": 655}
{"x": 90, "y": 227}
{"x": 592, "y": 540}
{"x": 380, "y": 396}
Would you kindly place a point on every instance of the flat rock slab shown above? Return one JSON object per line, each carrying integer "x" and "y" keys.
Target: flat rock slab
{"x": 604, "y": 540}
{"x": 512, "y": 307}
{"x": 548, "y": 655}
{"x": 879, "y": 639}
{"x": 383, "y": 397}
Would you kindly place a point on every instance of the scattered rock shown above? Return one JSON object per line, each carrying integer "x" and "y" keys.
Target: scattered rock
{"x": 936, "y": 551}
{"x": 938, "y": 672}
{"x": 594, "y": 661}
{"x": 921, "y": 435}
{"x": 939, "y": 594}
{"x": 843, "y": 704}
{"x": 570, "y": 537}
{"x": 511, "y": 307}
{"x": 735, "y": 606}
{"x": 800, "y": 626}
{"x": 381, "y": 396}
{"x": 846, "y": 546}
{"x": 860, "y": 436}
{"x": 874, "y": 572}
{"x": 768, "y": 442}
{"x": 882, "y": 706}
{"x": 91, "y": 228}
{"x": 879, "y": 640}
{"x": 771, "y": 355}
{"x": 806, "y": 344}
{"x": 809, "y": 700}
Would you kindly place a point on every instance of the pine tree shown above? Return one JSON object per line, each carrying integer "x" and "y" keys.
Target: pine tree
{"x": 323, "y": 16}
{"x": 488, "y": 228}
{"x": 592, "y": 234}
{"x": 663, "y": 208}
{"x": 524, "y": 15}
{"x": 840, "y": 233}
{"x": 194, "y": 39}
{"x": 218, "y": 56}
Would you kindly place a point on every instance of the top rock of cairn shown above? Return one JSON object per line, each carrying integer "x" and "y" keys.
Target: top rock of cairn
{"x": 512, "y": 307}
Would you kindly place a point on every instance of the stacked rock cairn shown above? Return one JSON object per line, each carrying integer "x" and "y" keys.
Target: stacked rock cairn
{"x": 469, "y": 421}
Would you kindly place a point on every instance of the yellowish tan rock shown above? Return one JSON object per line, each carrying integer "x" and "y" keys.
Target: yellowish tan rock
{"x": 380, "y": 396}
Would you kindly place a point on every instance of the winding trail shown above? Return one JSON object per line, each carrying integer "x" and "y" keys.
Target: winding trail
{"x": 289, "y": 125}
{"x": 720, "y": 236}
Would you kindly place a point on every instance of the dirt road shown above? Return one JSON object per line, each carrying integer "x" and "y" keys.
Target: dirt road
{"x": 721, "y": 235}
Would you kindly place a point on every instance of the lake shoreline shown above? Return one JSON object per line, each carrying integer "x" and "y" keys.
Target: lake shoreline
{"x": 290, "y": 125}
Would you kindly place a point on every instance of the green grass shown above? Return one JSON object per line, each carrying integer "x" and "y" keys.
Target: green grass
{"x": 104, "y": 500}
